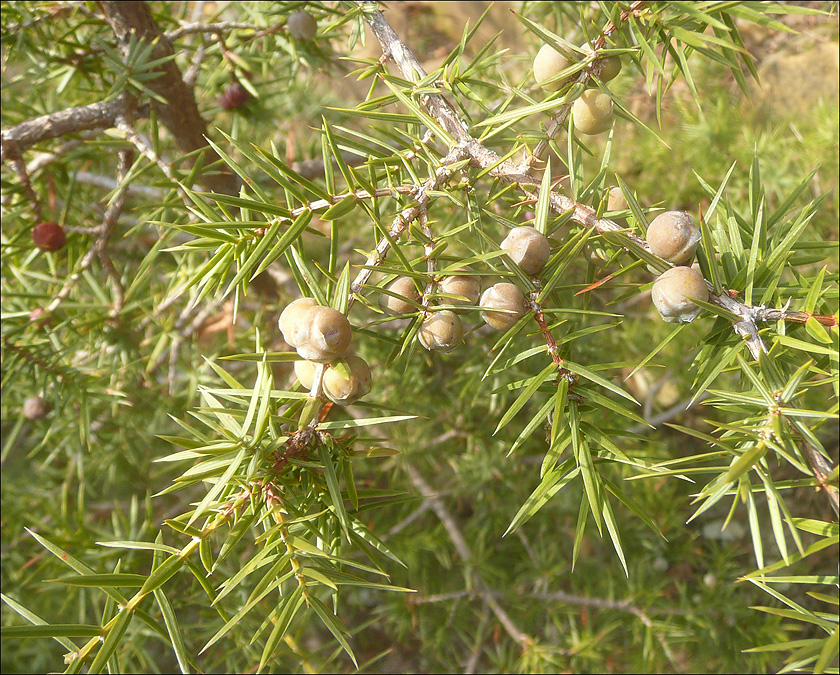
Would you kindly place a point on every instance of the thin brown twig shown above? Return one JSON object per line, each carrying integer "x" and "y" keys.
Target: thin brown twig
{"x": 482, "y": 157}
{"x": 112, "y": 215}
{"x": 23, "y": 176}
{"x": 463, "y": 549}
{"x": 558, "y": 122}
{"x": 404, "y": 218}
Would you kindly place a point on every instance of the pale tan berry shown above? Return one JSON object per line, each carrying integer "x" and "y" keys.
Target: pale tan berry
{"x": 302, "y": 26}
{"x": 35, "y": 408}
{"x": 674, "y": 291}
{"x": 509, "y": 302}
{"x": 328, "y": 336}
{"x": 295, "y": 320}
{"x": 527, "y": 248}
{"x": 547, "y": 63}
{"x": 441, "y": 331}
{"x": 405, "y": 287}
{"x": 593, "y": 112}
{"x": 673, "y": 236}
{"x": 610, "y": 65}
{"x": 305, "y": 372}
{"x": 347, "y": 380}
{"x": 466, "y": 286}
{"x": 616, "y": 200}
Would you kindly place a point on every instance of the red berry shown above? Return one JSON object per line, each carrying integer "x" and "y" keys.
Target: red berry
{"x": 49, "y": 236}
{"x": 235, "y": 96}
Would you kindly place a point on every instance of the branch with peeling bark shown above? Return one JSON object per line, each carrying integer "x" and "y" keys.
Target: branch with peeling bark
{"x": 484, "y": 158}
{"x": 99, "y": 115}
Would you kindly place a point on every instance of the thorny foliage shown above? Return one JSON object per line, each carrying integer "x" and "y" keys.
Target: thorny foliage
{"x": 299, "y": 511}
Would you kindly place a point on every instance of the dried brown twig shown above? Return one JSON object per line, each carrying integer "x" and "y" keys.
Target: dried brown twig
{"x": 99, "y": 247}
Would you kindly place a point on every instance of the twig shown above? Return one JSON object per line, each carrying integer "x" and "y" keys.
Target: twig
{"x": 191, "y": 28}
{"x": 99, "y": 115}
{"x": 484, "y": 158}
{"x": 463, "y": 549}
{"x": 112, "y": 215}
{"x": 45, "y": 158}
{"x": 110, "y": 184}
{"x": 179, "y": 114}
{"x": 23, "y": 176}
{"x": 145, "y": 147}
{"x": 404, "y": 218}
{"x": 558, "y": 122}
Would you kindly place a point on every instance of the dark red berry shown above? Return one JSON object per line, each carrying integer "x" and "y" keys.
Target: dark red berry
{"x": 49, "y": 236}
{"x": 235, "y": 96}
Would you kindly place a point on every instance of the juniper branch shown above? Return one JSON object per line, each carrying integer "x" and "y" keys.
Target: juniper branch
{"x": 483, "y": 158}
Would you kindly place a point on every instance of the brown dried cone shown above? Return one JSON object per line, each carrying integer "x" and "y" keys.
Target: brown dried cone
{"x": 673, "y": 236}
{"x": 547, "y": 63}
{"x": 403, "y": 286}
{"x": 347, "y": 380}
{"x": 35, "y": 408}
{"x": 464, "y": 285}
{"x": 674, "y": 291}
{"x": 593, "y": 112}
{"x": 441, "y": 331}
{"x": 235, "y": 96}
{"x": 508, "y": 299}
{"x": 49, "y": 237}
{"x": 527, "y": 248}
{"x": 302, "y": 26}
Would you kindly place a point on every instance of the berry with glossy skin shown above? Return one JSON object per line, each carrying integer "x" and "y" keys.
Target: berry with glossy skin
{"x": 294, "y": 321}
{"x": 49, "y": 237}
{"x": 347, "y": 380}
{"x": 509, "y": 300}
{"x": 616, "y": 200}
{"x": 35, "y": 408}
{"x": 465, "y": 285}
{"x": 593, "y": 112}
{"x": 305, "y": 372}
{"x": 441, "y": 331}
{"x": 527, "y": 248}
{"x": 328, "y": 335}
{"x": 302, "y": 26}
{"x": 672, "y": 293}
{"x": 673, "y": 236}
{"x": 235, "y": 96}
{"x": 547, "y": 63}
{"x": 405, "y": 287}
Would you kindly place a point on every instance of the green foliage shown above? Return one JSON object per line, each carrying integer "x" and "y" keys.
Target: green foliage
{"x": 592, "y": 489}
